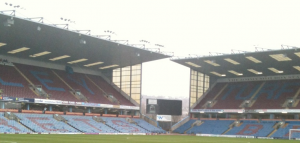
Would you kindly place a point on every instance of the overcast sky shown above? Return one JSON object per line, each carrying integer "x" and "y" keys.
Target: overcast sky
{"x": 182, "y": 26}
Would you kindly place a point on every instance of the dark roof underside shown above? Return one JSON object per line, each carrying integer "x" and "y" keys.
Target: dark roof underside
{"x": 24, "y": 33}
{"x": 287, "y": 67}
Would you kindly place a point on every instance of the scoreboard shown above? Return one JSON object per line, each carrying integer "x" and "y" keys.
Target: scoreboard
{"x": 164, "y": 107}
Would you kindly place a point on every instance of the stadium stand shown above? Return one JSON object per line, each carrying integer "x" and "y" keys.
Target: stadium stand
{"x": 13, "y": 84}
{"x": 51, "y": 83}
{"x": 267, "y": 95}
{"x": 211, "y": 127}
{"x": 42, "y": 123}
{"x": 109, "y": 89}
{"x": 79, "y": 82}
{"x": 145, "y": 125}
{"x": 121, "y": 125}
{"x": 283, "y": 132}
{"x": 11, "y": 126}
{"x": 87, "y": 125}
{"x": 17, "y": 86}
{"x": 253, "y": 128}
{"x": 184, "y": 127}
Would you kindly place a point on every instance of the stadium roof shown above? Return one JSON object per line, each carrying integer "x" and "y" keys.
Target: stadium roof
{"x": 263, "y": 63}
{"x": 37, "y": 41}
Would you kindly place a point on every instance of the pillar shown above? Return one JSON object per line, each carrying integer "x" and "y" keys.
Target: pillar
{"x": 296, "y": 116}
{"x": 227, "y": 116}
{"x": 271, "y": 116}
{"x": 209, "y": 116}
{"x": 27, "y": 106}
{"x": 70, "y": 109}
{"x": 2, "y": 105}
{"x": 50, "y": 107}
{"x": 121, "y": 112}
{"x": 89, "y": 110}
{"x": 105, "y": 111}
{"x": 249, "y": 116}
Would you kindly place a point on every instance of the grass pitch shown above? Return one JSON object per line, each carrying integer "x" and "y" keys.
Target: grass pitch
{"x": 12, "y": 138}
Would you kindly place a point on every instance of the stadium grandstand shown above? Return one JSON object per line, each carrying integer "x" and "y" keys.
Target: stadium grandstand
{"x": 54, "y": 80}
{"x": 244, "y": 93}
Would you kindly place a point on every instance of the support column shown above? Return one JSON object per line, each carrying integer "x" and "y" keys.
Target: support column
{"x": 105, "y": 111}
{"x": 271, "y": 116}
{"x": 249, "y": 116}
{"x": 27, "y": 107}
{"x": 89, "y": 110}
{"x": 2, "y": 105}
{"x": 296, "y": 116}
{"x": 227, "y": 116}
{"x": 50, "y": 107}
{"x": 209, "y": 116}
{"x": 70, "y": 109}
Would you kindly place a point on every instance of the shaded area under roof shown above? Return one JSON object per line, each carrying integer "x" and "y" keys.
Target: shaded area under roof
{"x": 40, "y": 38}
{"x": 244, "y": 64}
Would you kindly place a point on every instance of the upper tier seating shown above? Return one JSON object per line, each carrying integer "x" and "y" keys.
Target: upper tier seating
{"x": 184, "y": 127}
{"x": 13, "y": 84}
{"x": 87, "y": 125}
{"x": 267, "y": 95}
{"x": 284, "y": 132}
{"x": 11, "y": 126}
{"x": 51, "y": 84}
{"x": 87, "y": 88}
{"x": 253, "y": 128}
{"x": 44, "y": 123}
{"x": 109, "y": 89}
{"x": 145, "y": 125}
{"x": 211, "y": 127}
{"x": 123, "y": 126}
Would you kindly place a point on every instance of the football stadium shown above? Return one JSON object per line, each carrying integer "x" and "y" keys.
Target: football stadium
{"x": 68, "y": 86}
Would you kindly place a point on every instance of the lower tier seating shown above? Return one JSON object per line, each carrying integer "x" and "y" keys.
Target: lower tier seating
{"x": 211, "y": 127}
{"x": 88, "y": 125}
{"x": 253, "y": 128}
{"x": 44, "y": 123}
{"x": 184, "y": 127}
{"x": 284, "y": 131}
{"x": 147, "y": 126}
{"x": 11, "y": 126}
{"x": 123, "y": 126}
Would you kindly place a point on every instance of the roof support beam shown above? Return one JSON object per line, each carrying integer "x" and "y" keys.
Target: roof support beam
{"x": 39, "y": 19}
{"x": 65, "y": 26}
{"x": 13, "y": 12}
{"x": 121, "y": 41}
{"x": 106, "y": 36}
{"x": 88, "y": 32}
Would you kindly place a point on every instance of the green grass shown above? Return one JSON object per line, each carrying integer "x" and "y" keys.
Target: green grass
{"x": 12, "y": 138}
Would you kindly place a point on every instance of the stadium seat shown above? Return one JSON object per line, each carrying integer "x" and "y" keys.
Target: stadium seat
{"x": 87, "y": 125}
{"x": 11, "y": 126}
{"x": 211, "y": 127}
{"x": 42, "y": 123}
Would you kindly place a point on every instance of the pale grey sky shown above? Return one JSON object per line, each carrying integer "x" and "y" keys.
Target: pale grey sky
{"x": 183, "y": 26}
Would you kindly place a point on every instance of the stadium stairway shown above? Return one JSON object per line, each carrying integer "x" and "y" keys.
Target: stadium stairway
{"x": 255, "y": 93}
{"x": 89, "y": 79}
{"x": 196, "y": 123}
{"x": 184, "y": 127}
{"x": 27, "y": 81}
{"x": 148, "y": 127}
{"x": 231, "y": 126}
{"x": 65, "y": 83}
{"x": 216, "y": 96}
